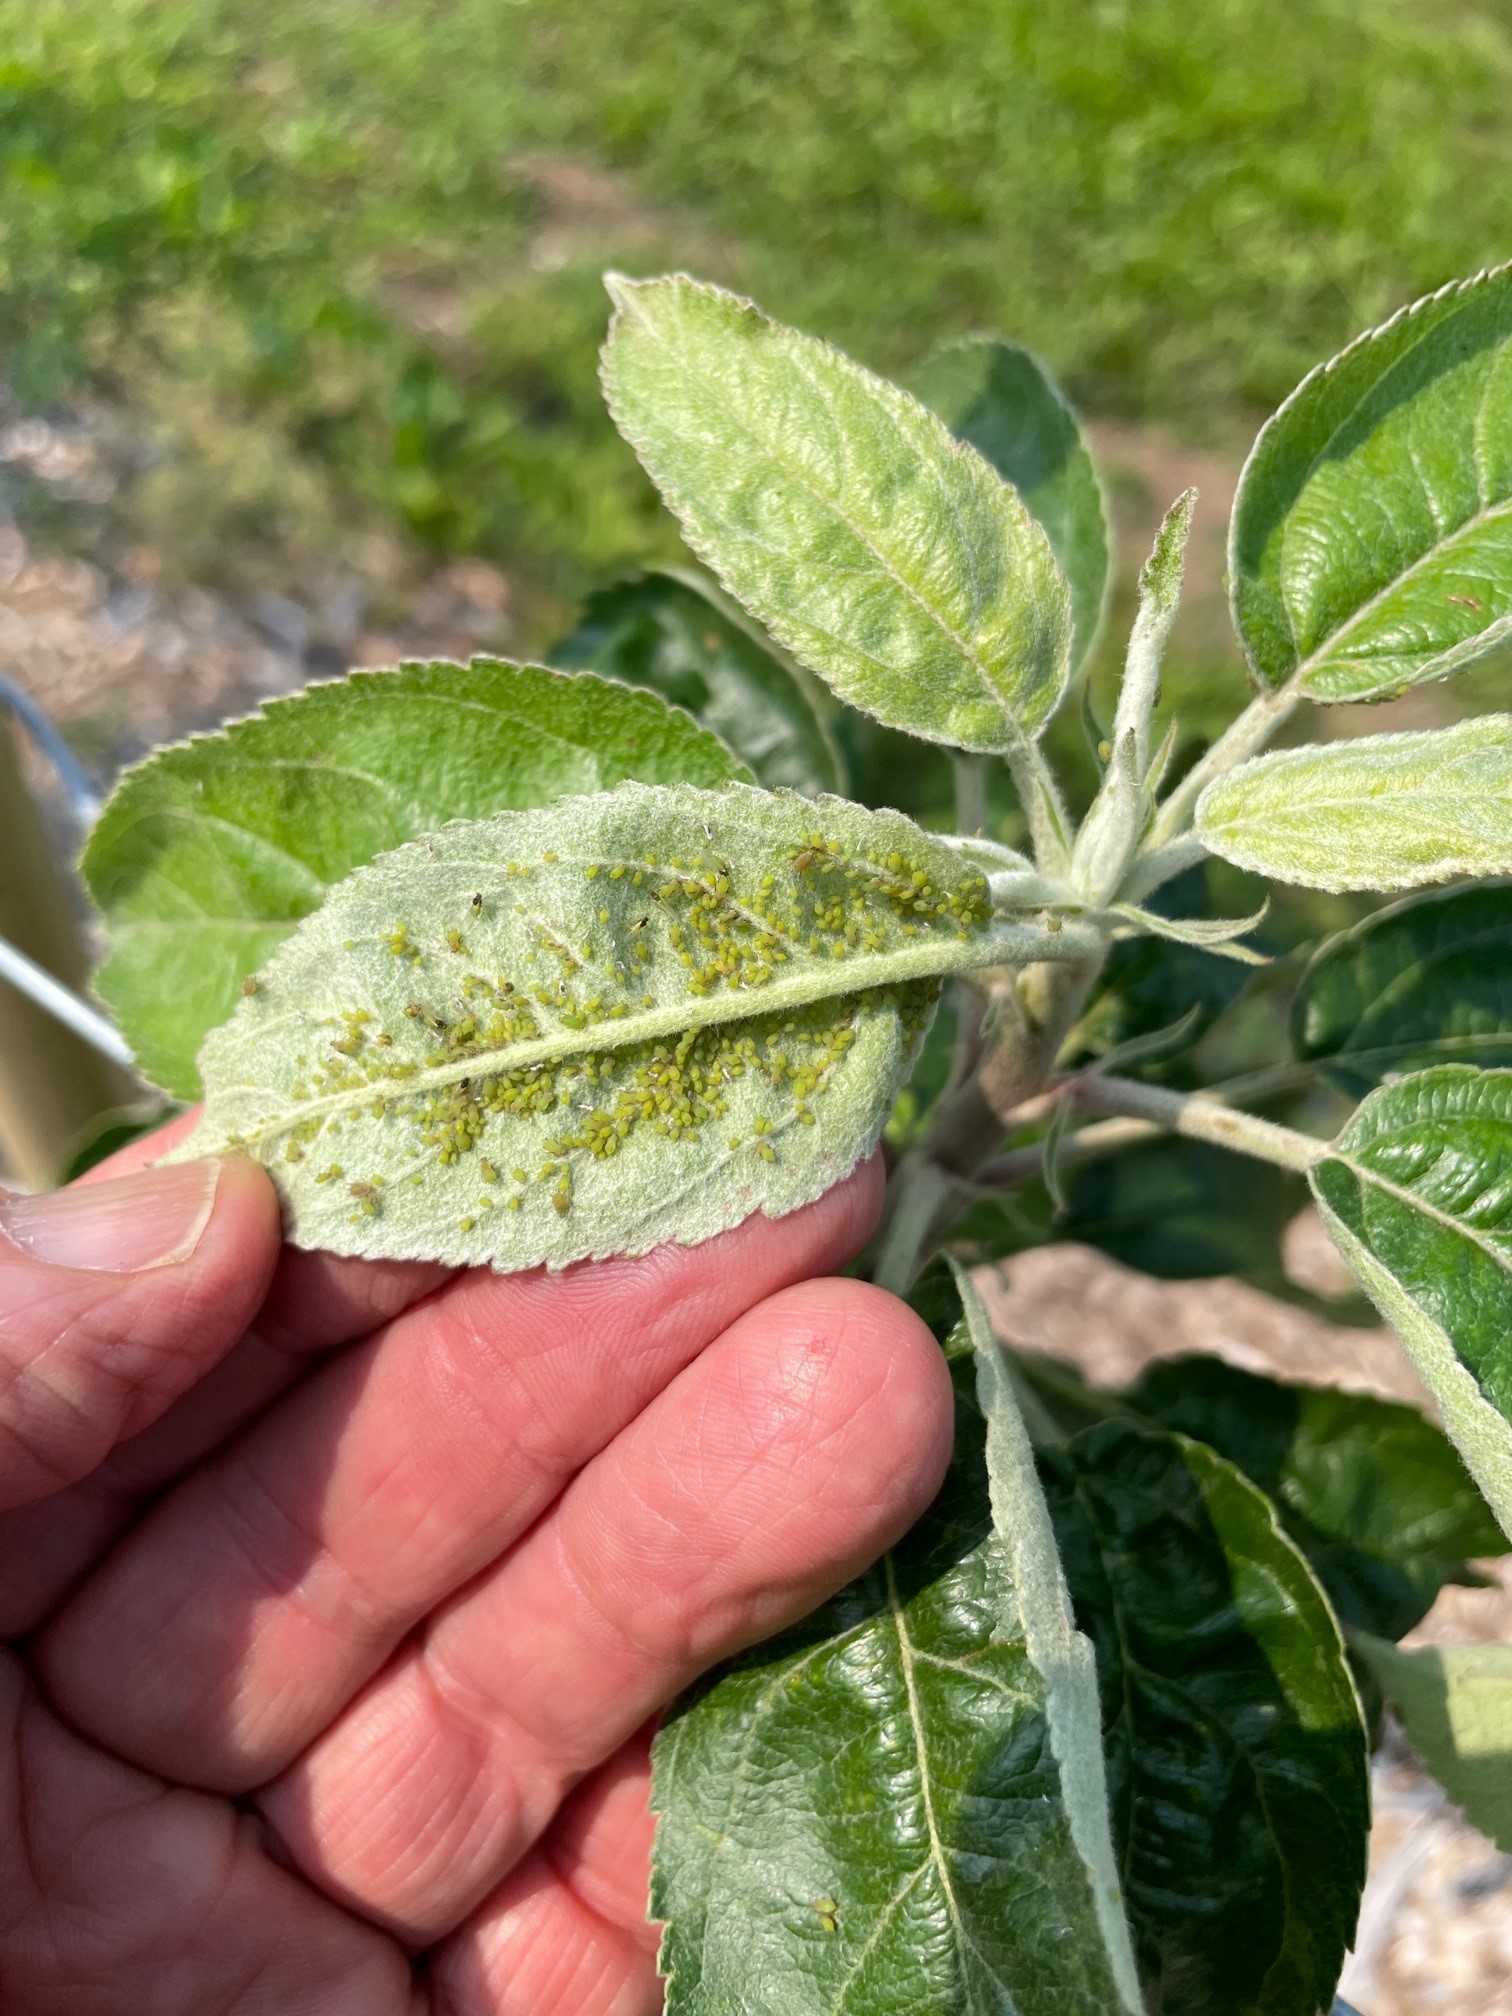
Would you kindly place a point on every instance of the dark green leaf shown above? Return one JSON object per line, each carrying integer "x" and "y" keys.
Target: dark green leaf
{"x": 887, "y": 767}
{"x": 671, "y": 633}
{"x": 209, "y": 853}
{"x": 1426, "y": 981}
{"x": 1236, "y": 1751}
{"x": 1371, "y": 544}
{"x": 1000, "y": 398}
{"x": 867, "y": 1814}
{"x": 1372, "y": 1493}
{"x": 1417, "y": 1195}
{"x": 1178, "y": 1209}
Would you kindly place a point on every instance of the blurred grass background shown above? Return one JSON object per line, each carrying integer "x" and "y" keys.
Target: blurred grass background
{"x": 324, "y": 275}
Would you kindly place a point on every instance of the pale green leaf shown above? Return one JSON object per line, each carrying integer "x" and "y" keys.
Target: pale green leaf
{"x": 880, "y": 551}
{"x": 628, "y": 1018}
{"x": 1417, "y": 1195}
{"x": 1001, "y": 399}
{"x": 675, "y": 632}
{"x": 1061, "y": 1655}
{"x": 1388, "y": 812}
{"x": 1371, "y": 541}
{"x": 1211, "y": 934}
{"x": 1455, "y": 1702}
{"x": 871, "y": 1814}
{"x": 209, "y": 852}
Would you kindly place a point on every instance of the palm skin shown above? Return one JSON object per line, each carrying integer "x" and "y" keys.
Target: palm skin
{"x": 343, "y": 1597}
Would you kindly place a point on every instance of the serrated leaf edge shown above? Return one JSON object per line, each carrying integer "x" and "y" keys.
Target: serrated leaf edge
{"x": 996, "y": 944}
{"x": 1478, "y": 1430}
{"x": 620, "y": 288}
{"x": 1081, "y": 651}
{"x": 1450, "y": 661}
{"x": 1448, "y": 868}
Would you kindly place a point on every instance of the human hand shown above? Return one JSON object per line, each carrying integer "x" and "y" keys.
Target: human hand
{"x": 347, "y": 1593}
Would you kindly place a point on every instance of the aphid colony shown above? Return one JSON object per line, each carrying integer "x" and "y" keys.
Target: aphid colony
{"x": 675, "y": 929}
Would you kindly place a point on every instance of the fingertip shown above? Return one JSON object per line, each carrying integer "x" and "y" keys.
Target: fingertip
{"x": 877, "y": 1391}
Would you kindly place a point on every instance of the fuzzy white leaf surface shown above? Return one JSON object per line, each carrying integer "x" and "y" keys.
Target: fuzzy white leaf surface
{"x": 623, "y": 1019}
{"x": 1386, "y": 812}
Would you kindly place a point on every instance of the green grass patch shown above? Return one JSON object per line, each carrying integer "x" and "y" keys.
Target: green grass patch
{"x": 343, "y": 258}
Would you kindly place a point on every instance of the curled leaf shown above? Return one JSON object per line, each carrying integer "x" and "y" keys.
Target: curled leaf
{"x": 1236, "y": 1753}
{"x": 1415, "y": 1194}
{"x": 1211, "y": 934}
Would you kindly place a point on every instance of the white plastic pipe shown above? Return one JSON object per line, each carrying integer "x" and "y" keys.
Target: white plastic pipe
{"x": 38, "y": 985}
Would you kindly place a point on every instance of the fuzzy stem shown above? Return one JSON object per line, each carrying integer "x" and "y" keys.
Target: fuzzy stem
{"x": 1200, "y": 1117}
{"x": 1103, "y": 1137}
{"x": 1253, "y": 729}
{"x": 1039, "y": 796}
{"x": 970, "y": 792}
{"x": 920, "y": 1189}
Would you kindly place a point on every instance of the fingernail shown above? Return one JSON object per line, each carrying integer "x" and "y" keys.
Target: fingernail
{"x": 155, "y": 1218}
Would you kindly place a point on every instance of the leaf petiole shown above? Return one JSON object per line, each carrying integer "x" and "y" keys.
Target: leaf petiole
{"x": 1201, "y": 1117}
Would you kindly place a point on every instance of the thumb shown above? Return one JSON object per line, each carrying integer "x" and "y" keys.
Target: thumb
{"x": 115, "y": 1297}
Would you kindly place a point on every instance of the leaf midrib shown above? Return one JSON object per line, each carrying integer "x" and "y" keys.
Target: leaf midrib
{"x": 823, "y": 980}
{"x": 1391, "y": 793}
{"x": 994, "y": 695}
{"x": 1366, "y": 1175}
{"x": 1336, "y": 644}
{"x": 965, "y": 1944}
{"x": 1129, "y": 1665}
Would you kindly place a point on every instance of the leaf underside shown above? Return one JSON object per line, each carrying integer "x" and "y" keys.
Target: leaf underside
{"x": 885, "y": 555}
{"x": 866, "y": 1814}
{"x": 1371, "y": 541}
{"x": 1417, "y": 1195}
{"x": 1426, "y": 981}
{"x": 1387, "y": 812}
{"x": 1236, "y": 1751}
{"x": 558, "y": 1035}
{"x": 210, "y": 852}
